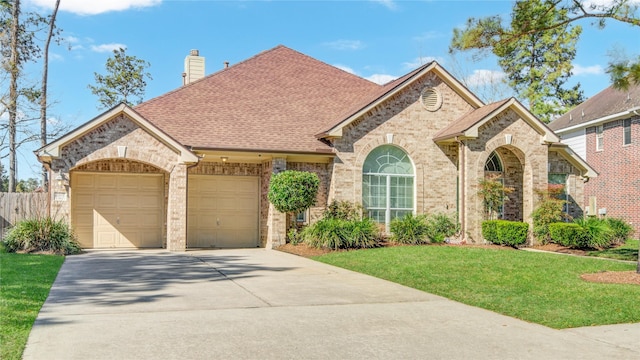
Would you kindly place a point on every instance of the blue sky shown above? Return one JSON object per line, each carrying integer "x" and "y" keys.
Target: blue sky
{"x": 378, "y": 40}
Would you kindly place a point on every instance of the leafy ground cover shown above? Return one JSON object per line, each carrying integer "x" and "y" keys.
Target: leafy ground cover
{"x": 25, "y": 281}
{"x": 538, "y": 287}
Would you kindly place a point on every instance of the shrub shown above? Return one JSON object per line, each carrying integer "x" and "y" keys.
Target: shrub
{"x": 293, "y": 191}
{"x": 512, "y": 233}
{"x": 490, "y": 231}
{"x": 620, "y": 230}
{"x": 341, "y": 234}
{"x": 344, "y": 210}
{"x": 547, "y": 211}
{"x": 493, "y": 194}
{"x": 441, "y": 226}
{"x": 503, "y": 232}
{"x": 294, "y": 236}
{"x": 41, "y": 234}
{"x": 597, "y": 233}
{"x": 567, "y": 234}
{"x": 410, "y": 229}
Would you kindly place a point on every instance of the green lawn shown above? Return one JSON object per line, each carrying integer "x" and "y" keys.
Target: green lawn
{"x": 25, "y": 281}
{"x": 628, "y": 251}
{"x": 536, "y": 287}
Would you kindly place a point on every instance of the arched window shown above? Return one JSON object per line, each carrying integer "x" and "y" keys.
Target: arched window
{"x": 493, "y": 163}
{"x": 494, "y": 170}
{"x": 387, "y": 184}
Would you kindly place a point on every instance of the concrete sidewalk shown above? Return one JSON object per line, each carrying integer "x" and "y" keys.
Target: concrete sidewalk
{"x": 264, "y": 304}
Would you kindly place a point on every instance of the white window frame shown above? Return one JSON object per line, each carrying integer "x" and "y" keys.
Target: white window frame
{"x": 388, "y": 209}
{"x": 599, "y": 137}
{"x": 626, "y": 129}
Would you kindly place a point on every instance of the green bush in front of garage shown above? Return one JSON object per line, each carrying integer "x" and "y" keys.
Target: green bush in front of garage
{"x": 41, "y": 235}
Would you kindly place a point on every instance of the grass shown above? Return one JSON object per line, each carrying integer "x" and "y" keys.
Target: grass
{"x": 535, "y": 287}
{"x": 25, "y": 281}
{"x": 628, "y": 251}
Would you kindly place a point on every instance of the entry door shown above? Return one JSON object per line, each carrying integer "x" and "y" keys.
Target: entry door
{"x": 223, "y": 211}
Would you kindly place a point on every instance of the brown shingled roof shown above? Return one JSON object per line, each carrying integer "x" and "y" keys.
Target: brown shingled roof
{"x": 607, "y": 102}
{"x": 467, "y": 121}
{"x": 275, "y": 101}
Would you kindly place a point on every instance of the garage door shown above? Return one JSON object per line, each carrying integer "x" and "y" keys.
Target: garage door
{"x": 117, "y": 210}
{"x": 223, "y": 211}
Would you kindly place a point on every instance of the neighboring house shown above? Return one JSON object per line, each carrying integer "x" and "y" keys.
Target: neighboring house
{"x": 191, "y": 168}
{"x": 605, "y": 131}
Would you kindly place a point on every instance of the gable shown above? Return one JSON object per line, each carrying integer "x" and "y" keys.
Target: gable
{"x": 396, "y": 88}
{"x": 468, "y": 126}
{"x": 105, "y": 130}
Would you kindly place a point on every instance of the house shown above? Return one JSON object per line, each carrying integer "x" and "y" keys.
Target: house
{"x": 191, "y": 168}
{"x": 605, "y": 131}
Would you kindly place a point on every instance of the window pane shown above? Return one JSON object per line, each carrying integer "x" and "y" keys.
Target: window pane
{"x": 627, "y": 132}
{"x": 388, "y": 159}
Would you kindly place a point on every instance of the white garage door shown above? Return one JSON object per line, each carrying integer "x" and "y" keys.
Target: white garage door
{"x": 223, "y": 211}
{"x": 117, "y": 210}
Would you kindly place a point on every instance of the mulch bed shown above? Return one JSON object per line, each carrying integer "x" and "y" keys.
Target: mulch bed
{"x": 610, "y": 277}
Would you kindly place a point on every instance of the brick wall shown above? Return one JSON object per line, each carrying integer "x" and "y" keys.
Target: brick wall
{"x": 525, "y": 148}
{"x": 403, "y": 121}
{"x": 617, "y": 187}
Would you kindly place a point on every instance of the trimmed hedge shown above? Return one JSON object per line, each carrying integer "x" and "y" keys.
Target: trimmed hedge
{"x": 504, "y": 232}
{"x": 567, "y": 234}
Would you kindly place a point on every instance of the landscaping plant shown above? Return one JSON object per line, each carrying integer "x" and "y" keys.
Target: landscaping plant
{"x": 441, "y": 226}
{"x": 292, "y": 191}
{"x": 504, "y": 232}
{"x": 410, "y": 229}
{"x": 42, "y": 234}
{"x": 332, "y": 233}
{"x": 493, "y": 194}
{"x": 548, "y": 210}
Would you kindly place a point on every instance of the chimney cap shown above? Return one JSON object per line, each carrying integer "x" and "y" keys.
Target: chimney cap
{"x": 194, "y": 52}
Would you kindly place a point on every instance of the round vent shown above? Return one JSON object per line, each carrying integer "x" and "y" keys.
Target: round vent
{"x": 431, "y": 99}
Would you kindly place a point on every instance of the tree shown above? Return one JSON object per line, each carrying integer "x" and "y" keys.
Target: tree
{"x": 537, "y": 64}
{"x": 4, "y": 180}
{"x": 493, "y": 194}
{"x": 487, "y": 34}
{"x": 18, "y": 47}
{"x": 291, "y": 191}
{"x": 125, "y": 79}
{"x": 45, "y": 75}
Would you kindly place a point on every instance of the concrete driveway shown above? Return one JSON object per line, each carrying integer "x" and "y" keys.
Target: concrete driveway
{"x": 264, "y": 304}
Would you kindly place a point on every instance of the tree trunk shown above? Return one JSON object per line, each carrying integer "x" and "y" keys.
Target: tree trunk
{"x": 43, "y": 98}
{"x": 14, "y": 70}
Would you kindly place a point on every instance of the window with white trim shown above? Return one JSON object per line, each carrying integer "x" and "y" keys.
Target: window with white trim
{"x": 599, "y": 137}
{"x": 626, "y": 132}
{"x": 493, "y": 166}
{"x": 387, "y": 184}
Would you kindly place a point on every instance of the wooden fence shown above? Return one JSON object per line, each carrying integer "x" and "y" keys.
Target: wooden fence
{"x": 18, "y": 206}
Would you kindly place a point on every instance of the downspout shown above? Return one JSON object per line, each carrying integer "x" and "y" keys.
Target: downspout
{"x": 461, "y": 185}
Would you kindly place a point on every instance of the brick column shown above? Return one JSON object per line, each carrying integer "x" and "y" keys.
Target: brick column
{"x": 177, "y": 209}
{"x": 276, "y": 221}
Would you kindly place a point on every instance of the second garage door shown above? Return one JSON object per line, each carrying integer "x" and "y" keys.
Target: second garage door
{"x": 223, "y": 211}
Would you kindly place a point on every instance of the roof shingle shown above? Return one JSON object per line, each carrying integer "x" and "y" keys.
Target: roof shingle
{"x": 275, "y": 101}
{"x": 607, "y": 102}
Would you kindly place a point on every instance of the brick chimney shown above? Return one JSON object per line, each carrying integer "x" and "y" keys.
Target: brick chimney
{"x": 193, "y": 67}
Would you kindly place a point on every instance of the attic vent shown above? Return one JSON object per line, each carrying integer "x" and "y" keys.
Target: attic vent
{"x": 431, "y": 99}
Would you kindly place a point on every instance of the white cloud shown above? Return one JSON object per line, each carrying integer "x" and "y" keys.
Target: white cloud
{"x": 390, "y": 4}
{"x": 587, "y": 70}
{"x": 419, "y": 61}
{"x": 345, "y": 68}
{"x": 107, "y": 47}
{"x": 55, "y": 57}
{"x": 381, "y": 78}
{"x": 94, "y": 7}
{"x": 483, "y": 77}
{"x": 345, "y": 44}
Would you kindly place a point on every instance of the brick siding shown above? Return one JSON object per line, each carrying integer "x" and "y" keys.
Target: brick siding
{"x": 617, "y": 187}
